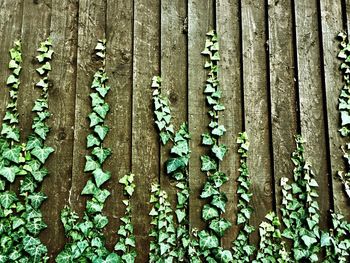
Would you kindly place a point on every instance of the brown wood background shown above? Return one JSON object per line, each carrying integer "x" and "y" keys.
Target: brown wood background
{"x": 279, "y": 76}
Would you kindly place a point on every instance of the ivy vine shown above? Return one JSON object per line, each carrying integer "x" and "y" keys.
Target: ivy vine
{"x": 22, "y": 219}
{"x": 209, "y": 239}
{"x": 344, "y": 106}
{"x": 242, "y": 250}
{"x": 271, "y": 246}
{"x": 176, "y": 165}
{"x": 126, "y": 243}
{"x": 86, "y": 240}
{"x": 300, "y": 210}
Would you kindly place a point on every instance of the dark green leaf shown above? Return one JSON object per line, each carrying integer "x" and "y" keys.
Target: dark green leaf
{"x": 42, "y": 153}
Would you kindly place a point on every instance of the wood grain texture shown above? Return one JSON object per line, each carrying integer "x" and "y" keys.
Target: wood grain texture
{"x": 35, "y": 29}
{"x": 256, "y": 108}
{"x": 228, "y": 29}
{"x": 283, "y": 90}
{"x": 10, "y": 30}
{"x": 91, "y": 28}
{"x": 173, "y": 72}
{"x": 312, "y": 110}
{"x": 331, "y": 17}
{"x": 64, "y": 26}
{"x": 200, "y": 21}
{"x": 119, "y": 69}
{"x": 145, "y": 143}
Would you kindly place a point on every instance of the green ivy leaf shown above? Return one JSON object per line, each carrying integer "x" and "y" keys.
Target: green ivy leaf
{"x": 219, "y": 226}
{"x": 89, "y": 189}
{"x": 209, "y": 212}
{"x": 42, "y": 153}
{"x": 96, "y": 99}
{"x": 103, "y": 90}
{"x": 207, "y": 241}
{"x": 219, "y": 151}
{"x": 207, "y": 139}
{"x": 11, "y": 80}
{"x": 101, "y": 110}
{"x": 13, "y": 154}
{"x": 101, "y": 131}
{"x": 94, "y": 119}
{"x": 40, "y": 174}
{"x": 208, "y": 190}
{"x": 7, "y": 199}
{"x": 101, "y": 176}
{"x": 91, "y": 140}
{"x": 90, "y": 164}
{"x": 34, "y": 247}
{"x": 101, "y": 153}
{"x": 114, "y": 258}
{"x": 219, "y": 131}
{"x": 208, "y": 164}
{"x": 180, "y": 214}
{"x": 174, "y": 164}
{"x": 180, "y": 148}
{"x": 37, "y": 199}
{"x": 10, "y": 132}
{"x": 33, "y": 141}
{"x": 100, "y": 221}
{"x": 220, "y": 201}
{"x": 64, "y": 257}
{"x": 36, "y": 225}
{"x": 9, "y": 173}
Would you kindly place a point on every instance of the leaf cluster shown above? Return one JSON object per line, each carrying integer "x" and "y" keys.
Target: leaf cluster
{"x": 21, "y": 220}
{"x": 86, "y": 240}
{"x": 300, "y": 210}
{"x": 242, "y": 250}
{"x": 209, "y": 239}
{"x": 126, "y": 243}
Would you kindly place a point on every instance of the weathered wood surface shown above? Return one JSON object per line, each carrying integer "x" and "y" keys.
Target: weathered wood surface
{"x": 64, "y": 28}
{"x": 228, "y": 27}
{"x": 283, "y": 90}
{"x": 279, "y": 76}
{"x": 200, "y": 21}
{"x": 145, "y": 142}
{"x": 256, "y": 107}
{"x": 311, "y": 98}
{"x": 331, "y": 21}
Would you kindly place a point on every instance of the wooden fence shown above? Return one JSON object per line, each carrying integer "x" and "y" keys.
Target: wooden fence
{"x": 279, "y": 76}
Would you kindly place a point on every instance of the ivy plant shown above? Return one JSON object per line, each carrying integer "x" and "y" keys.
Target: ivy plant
{"x": 86, "y": 240}
{"x": 337, "y": 240}
{"x": 176, "y": 165}
{"x": 242, "y": 250}
{"x": 125, "y": 246}
{"x": 300, "y": 210}
{"x": 212, "y": 212}
{"x": 271, "y": 246}
{"x": 22, "y": 219}
{"x": 344, "y": 106}
{"x": 163, "y": 232}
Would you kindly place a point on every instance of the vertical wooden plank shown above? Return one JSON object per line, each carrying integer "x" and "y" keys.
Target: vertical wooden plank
{"x": 228, "y": 28}
{"x": 200, "y": 21}
{"x": 331, "y": 21}
{"x": 173, "y": 73}
{"x": 256, "y": 108}
{"x": 35, "y": 28}
{"x": 119, "y": 69}
{"x": 312, "y": 106}
{"x": 284, "y": 118}
{"x": 62, "y": 105}
{"x": 145, "y": 143}
{"x": 10, "y": 30}
{"x": 91, "y": 28}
